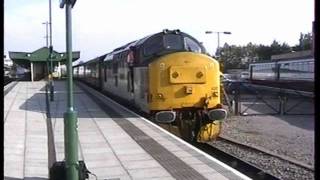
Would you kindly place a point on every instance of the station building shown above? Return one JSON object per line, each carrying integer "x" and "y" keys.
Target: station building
{"x": 36, "y": 63}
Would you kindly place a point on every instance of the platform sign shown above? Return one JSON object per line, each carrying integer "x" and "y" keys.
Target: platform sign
{"x": 63, "y": 2}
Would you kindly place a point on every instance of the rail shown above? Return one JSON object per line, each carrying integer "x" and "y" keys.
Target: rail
{"x": 242, "y": 166}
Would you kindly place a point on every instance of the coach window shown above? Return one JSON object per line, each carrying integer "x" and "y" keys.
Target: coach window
{"x": 93, "y": 71}
{"x": 300, "y": 66}
{"x": 97, "y": 70}
{"x": 303, "y": 67}
{"x": 115, "y": 68}
{"x": 308, "y": 66}
{"x": 105, "y": 73}
{"x": 311, "y": 66}
{"x": 296, "y": 66}
{"x": 116, "y": 80}
{"x": 291, "y": 66}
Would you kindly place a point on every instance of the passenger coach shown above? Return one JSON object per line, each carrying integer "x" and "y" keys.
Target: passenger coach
{"x": 298, "y": 73}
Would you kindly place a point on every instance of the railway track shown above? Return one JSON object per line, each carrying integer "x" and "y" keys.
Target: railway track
{"x": 260, "y": 149}
{"x": 264, "y": 164}
{"x": 244, "y": 167}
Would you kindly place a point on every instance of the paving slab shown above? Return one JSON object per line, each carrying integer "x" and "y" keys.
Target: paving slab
{"x": 25, "y": 125}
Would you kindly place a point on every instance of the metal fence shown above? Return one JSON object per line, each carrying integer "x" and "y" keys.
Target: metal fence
{"x": 244, "y": 98}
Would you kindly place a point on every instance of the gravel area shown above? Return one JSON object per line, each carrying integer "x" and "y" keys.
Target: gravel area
{"x": 272, "y": 165}
{"x": 291, "y": 136}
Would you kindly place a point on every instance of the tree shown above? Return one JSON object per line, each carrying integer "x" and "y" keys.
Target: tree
{"x": 305, "y": 42}
{"x": 240, "y": 56}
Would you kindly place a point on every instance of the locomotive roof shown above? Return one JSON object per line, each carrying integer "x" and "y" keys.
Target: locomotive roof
{"x": 135, "y": 43}
{"x": 92, "y": 60}
{"x": 139, "y": 42}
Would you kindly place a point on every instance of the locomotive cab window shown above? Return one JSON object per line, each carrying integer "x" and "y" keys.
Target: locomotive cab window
{"x": 153, "y": 46}
{"x": 191, "y": 45}
{"x": 163, "y": 43}
{"x": 173, "y": 41}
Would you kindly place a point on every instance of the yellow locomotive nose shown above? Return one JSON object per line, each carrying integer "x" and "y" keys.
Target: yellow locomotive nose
{"x": 185, "y": 84}
{"x": 185, "y": 79}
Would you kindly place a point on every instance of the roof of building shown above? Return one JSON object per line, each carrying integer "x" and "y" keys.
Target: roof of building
{"x": 41, "y": 55}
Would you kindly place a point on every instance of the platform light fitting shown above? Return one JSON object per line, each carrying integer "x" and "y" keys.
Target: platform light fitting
{"x": 63, "y": 2}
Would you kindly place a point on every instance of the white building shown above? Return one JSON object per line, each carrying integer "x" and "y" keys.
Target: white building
{"x": 7, "y": 62}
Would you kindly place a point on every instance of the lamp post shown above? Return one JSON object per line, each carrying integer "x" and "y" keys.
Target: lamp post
{"x": 47, "y": 42}
{"x": 218, "y": 48}
{"x": 46, "y": 23}
{"x": 218, "y": 33}
{"x": 70, "y": 117}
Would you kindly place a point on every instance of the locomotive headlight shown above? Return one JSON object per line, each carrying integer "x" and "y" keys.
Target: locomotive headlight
{"x": 165, "y": 116}
{"x": 217, "y": 114}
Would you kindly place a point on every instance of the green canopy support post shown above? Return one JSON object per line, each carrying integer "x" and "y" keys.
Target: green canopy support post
{"x": 51, "y": 76}
{"x": 50, "y": 56}
{"x": 70, "y": 117}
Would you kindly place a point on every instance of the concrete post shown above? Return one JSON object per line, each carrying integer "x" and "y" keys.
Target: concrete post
{"x": 282, "y": 104}
{"x": 237, "y": 102}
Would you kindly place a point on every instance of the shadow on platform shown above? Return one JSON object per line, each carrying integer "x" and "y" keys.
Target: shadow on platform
{"x": 86, "y": 105}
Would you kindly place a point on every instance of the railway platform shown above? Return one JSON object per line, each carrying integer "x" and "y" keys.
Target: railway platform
{"x": 114, "y": 142}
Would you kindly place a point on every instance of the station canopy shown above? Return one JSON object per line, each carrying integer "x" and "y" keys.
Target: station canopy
{"x": 41, "y": 55}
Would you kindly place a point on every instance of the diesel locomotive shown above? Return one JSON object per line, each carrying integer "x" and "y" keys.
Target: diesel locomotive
{"x": 167, "y": 75}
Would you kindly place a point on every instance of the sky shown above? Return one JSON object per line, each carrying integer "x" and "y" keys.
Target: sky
{"x": 99, "y": 26}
